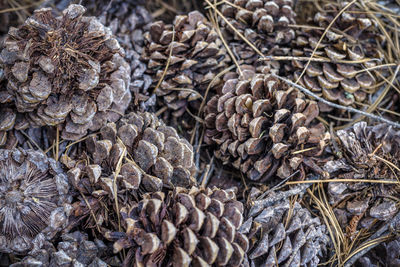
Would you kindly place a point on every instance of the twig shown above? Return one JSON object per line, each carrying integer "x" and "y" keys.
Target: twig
{"x": 350, "y": 109}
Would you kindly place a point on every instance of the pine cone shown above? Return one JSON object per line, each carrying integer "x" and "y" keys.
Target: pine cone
{"x": 33, "y": 200}
{"x": 66, "y": 70}
{"x": 197, "y": 56}
{"x": 74, "y": 250}
{"x": 14, "y": 16}
{"x": 352, "y": 37}
{"x": 284, "y": 234}
{"x": 385, "y": 255}
{"x": 141, "y": 151}
{"x": 368, "y": 152}
{"x": 258, "y": 122}
{"x": 262, "y": 22}
{"x": 196, "y": 227}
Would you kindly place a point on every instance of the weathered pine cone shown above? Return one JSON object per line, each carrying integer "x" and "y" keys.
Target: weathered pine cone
{"x": 33, "y": 200}
{"x": 258, "y": 123}
{"x": 262, "y": 22}
{"x": 195, "y": 55}
{"x": 186, "y": 227}
{"x": 66, "y": 70}
{"x": 139, "y": 154}
{"x": 367, "y": 153}
{"x": 386, "y": 254}
{"x": 74, "y": 250}
{"x": 352, "y": 38}
{"x": 284, "y": 234}
{"x": 128, "y": 22}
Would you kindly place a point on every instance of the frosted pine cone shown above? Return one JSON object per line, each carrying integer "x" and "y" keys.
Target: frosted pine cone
{"x": 140, "y": 152}
{"x": 33, "y": 200}
{"x": 74, "y": 250}
{"x": 367, "y": 153}
{"x": 196, "y": 227}
{"x": 258, "y": 122}
{"x": 197, "y": 56}
{"x": 284, "y": 234}
{"x": 66, "y": 70}
{"x": 352, "y": 38}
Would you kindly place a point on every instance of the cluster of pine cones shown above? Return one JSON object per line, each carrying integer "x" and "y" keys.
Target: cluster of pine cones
{"x": 131, "y": 141}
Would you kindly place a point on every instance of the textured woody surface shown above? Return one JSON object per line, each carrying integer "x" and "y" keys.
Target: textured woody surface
{"x": 386, "y": 254}
{"x": 186, "y": 227}
{"x": 66, "y": 70}
{"x": 284, "y": 234}
{"x": 138, "y": 154}
{"x": 258, "y": 122}
{"x": 369, "y": 152}
{"x": 33, "y": 200}
{"x": 195, "y": 55}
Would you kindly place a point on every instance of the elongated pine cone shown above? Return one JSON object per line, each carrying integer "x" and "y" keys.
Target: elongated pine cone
{"x": 140, "y": 152}
{"x": 33, "y": 200}
{"x": 386, "y": 254}
{"x": 284, "y": 234}
{"x": 74, "y": 250}
{"x": 258, "y": 123}
{"x": 186, "y": 227}
{"x": 194, "y": 54}
{"x": 349, "y": 47}
{"x": 66, "y": 70}
{"x": 264, "y": 23}
{"x": 368, "y": 153}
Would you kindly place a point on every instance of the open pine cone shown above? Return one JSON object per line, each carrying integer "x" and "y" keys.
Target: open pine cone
{"x": 196, "y": 227}
{"x": 33, "y": 200}
{"x": 140, "y": 152}
{"x": 258, "y": 123}
{"x": 352, "y": 38}
{"x": 66, "y": 70}
{"x": 368, "y": 152}
{"x": 194, "y": 54}
{"x": 284, "y": 234}
{"x": 74, "y": 250}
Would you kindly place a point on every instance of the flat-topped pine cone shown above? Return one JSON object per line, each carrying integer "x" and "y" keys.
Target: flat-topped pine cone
{"x": 369, "y": 152}
{"x": 194, "y": 54}
{"x": 140, "y": 152}
{"x": 284, "y": 234}
{"x": 66, "y": 70}
{"x": 386, "y": 254}
{"x": 74, "y": 250}
{"x": 186, "y": 227}
{"x": 262, "y": 22}
{"x": 258, "y": 123}
{"x": 33, "y": 200}
{"x": 347, "y": 50}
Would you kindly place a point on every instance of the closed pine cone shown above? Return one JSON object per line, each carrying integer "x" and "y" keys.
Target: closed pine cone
{"x": 258, "y": 122}
{"x": 197, "y": 56}
{"x": 74, "y": 250}
{"x": 141, "y": 151}
{"x": 367, "y": 153}
{"x": 33, "y": 200}
{"x": 66, "y": 70}
{"x": 284, "y": 234}
{"x": 352, "y": 37}
{"x": 186, "y": 227}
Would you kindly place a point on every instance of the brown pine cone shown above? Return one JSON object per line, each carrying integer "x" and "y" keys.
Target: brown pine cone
{"x": 74, "y": 250}
{"x": 262, "y": 22}
{"x": 352, "y": 38}
{"x": 368, "y": 153}
{"x": 66, "y": 70}
{"x": 196, "y": 227}
{"x": 258, "y": 123}
{"x": 33, "y": 200}
{"x": 141, "y": 151}
{"x": 197, "y": 56}
{"x": 386, "y": 254}
{"x": 284, "y": 234}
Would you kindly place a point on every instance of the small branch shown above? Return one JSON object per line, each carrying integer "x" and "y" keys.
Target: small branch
{"x": 350, "y": 109}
